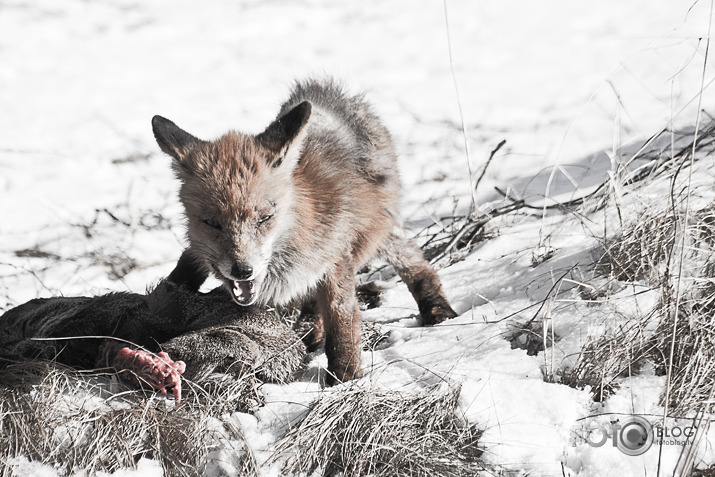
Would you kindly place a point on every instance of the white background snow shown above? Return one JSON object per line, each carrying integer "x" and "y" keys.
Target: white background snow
{"x": 559, "y": 81}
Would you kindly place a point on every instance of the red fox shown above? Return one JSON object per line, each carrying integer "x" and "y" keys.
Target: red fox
{"x": 290, "y": 214}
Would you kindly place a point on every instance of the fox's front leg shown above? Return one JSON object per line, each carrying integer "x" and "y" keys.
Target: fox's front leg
{"x": 338, "y": 307}
{"x": 189, "y": 271}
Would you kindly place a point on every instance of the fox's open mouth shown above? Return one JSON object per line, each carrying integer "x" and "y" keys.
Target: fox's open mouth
{"x": 242, "y": 292}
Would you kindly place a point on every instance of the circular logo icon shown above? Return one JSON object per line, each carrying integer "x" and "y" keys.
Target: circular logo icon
{"x": 635, "y": 437}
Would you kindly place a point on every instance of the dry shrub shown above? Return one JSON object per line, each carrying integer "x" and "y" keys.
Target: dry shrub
{"x": 606, "y": 359}
{"x": 358, "y": 430}
{"x": 71, "y": 421}
{"x": 692, "y": 340}
{"x": 644, "y": 251}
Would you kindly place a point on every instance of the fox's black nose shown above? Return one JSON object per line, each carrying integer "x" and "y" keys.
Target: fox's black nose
{"x": 241, "y": 271}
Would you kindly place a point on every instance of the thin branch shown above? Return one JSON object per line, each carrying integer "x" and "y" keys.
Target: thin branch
{"x": 486, "y": 166}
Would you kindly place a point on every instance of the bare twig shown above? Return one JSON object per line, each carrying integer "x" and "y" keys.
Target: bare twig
{"x": 486, "y": 166}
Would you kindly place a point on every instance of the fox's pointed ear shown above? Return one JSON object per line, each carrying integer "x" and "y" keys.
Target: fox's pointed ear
{"x": 284, "y": 136}
{"x": 171, "y": 138}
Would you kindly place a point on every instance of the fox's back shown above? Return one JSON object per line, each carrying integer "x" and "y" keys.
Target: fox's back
{"x": 346, "y": 133}
{"x": 348, "y": 167}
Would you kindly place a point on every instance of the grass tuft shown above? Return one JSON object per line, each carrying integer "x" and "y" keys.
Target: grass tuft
{"x": 358, "y": 430}
{"x": 606, "y": 359}
{"x": 88, "y": 422}
{"x": 693, "y": 358}
{"x": 643, "y": 252}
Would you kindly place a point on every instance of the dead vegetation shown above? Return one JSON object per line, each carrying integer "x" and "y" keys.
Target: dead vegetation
{"x": 358, "y": 430}
{"x": 606, "y": 359}
{"x": 87, "y": 421}
{"x": 666, "y": 153}
{"x": 671, "y": 249}
{"x": 644, "y": 252}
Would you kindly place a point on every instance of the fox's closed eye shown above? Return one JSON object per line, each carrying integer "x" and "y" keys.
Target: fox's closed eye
{"x": 267, "y": 214}
{"x": 212, "y": 223}
{"x": 264, "y": 219}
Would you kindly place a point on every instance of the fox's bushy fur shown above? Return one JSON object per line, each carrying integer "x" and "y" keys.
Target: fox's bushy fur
{"x": 291, "y": 213}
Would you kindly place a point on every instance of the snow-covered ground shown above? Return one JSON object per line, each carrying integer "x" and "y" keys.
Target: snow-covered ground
{"x": 88, "y": 203}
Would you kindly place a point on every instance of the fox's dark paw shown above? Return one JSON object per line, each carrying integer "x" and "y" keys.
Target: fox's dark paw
{"x": 310, "y": 328}
{"x": 437, "y": 314}
{"x": 333, "y": 379}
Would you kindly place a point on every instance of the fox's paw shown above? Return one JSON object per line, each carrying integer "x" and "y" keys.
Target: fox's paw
{"x": 158, "y": 371}
{"x": 436, "y": 314}
{"x": 343, "y": 366}
{"x": 334, "y": 378}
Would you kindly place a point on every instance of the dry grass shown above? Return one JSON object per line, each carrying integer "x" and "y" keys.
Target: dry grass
{"x": 81, "y": 421}
{"x": 604, "y": 360}
{"x": 78, "y": 422}
{"x": 373, "y": 336}
{"x": 644, "y": 248}
{"x": 693, "y": 358}
{"x": 358, "y": 430}
{"x": 644, "y": 252}
{"x": 670, "y": 248}
{"x": 641, "y": 251}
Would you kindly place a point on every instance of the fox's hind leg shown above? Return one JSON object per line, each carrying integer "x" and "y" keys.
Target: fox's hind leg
{"x": 420, "y": 277}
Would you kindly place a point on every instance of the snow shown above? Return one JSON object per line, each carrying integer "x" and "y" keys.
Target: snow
{"x": 144, "y": 468}
{"x": 567, "y": 84}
